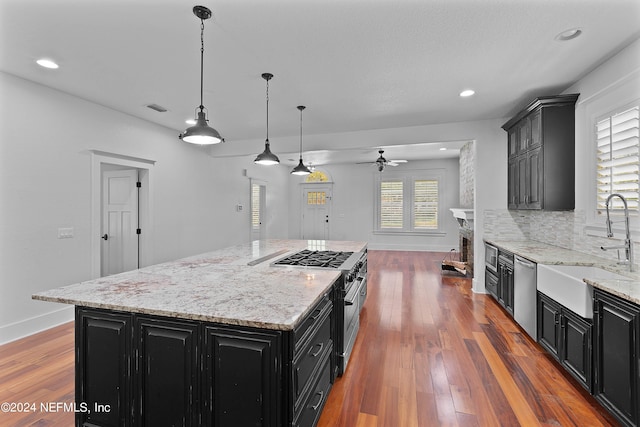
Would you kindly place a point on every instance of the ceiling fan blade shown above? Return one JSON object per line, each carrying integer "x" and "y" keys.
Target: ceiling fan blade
{"x": 398, "y": 161}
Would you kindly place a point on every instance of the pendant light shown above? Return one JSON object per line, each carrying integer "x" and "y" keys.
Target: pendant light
{"x": 201, "y": 133}
{"x": 301, "y": 169}
{"x": 267, "y": 158}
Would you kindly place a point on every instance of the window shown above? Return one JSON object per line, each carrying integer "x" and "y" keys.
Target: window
{"x": 618, "y": 155}
{"x": 255, "y": 206}
{"x": 408, "y": 203}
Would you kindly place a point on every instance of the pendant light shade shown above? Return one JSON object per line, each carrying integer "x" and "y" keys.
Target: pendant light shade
{"x": 301, "y": 169}
{"x": 267, "y": 158}
{"x": 201, "y": 133}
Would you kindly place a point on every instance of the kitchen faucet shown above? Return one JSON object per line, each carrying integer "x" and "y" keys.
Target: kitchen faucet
{"x": 628, "y": 245}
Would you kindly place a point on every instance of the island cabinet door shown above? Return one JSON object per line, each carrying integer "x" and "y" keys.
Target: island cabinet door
{"x": 103, "y": 368}
{"x": 243, "y": 377}
{"x": 167, "y": 372}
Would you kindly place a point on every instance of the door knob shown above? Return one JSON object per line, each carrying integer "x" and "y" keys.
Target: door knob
{"x": 105, "y": 237}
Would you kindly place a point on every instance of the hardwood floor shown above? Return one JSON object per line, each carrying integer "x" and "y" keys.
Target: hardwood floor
{"x": 430, "y": 352}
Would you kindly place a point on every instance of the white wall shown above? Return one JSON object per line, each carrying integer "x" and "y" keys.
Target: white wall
{"x": 611, "y": 86}
{"x": 353, "y": 206}
{"x": 45, "y": 184}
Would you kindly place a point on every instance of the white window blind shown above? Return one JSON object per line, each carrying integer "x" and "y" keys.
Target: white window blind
{"x": 391, "y": 205}
{"x": 255, "y": 205}
{"x": 618, "y": 158}
{"x": 425, "y": 204}
{"x": 409, "y": 203}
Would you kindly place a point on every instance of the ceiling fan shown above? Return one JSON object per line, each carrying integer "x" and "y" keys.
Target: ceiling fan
{"x": 381, "y": 162}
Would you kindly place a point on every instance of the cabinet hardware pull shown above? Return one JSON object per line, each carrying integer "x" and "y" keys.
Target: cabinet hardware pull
{"x": 317, "y": 405}
{"x": 316, "y": 314}
{"x": 317, "y": 352}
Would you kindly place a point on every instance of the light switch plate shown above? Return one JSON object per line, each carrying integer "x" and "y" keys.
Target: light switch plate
{"x": 65, "y": 233}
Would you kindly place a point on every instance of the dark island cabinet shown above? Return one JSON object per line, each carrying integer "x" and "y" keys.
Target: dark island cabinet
{"x": 541, "y": 151}
{"x": 617, "y": 356}
{"x": 167, "y": 372}
{"x": 567, "y": 337}
{"x": 242, "y": 377}
{"x": 144, "y": 370}
{"x": 104, "y": 368}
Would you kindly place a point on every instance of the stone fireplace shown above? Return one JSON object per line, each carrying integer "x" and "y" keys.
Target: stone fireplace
{"x": 465, "y": 220}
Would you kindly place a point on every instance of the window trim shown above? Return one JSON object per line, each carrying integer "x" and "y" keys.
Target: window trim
{"x": 595, "y": 225}
{"x": 408, "y": 179}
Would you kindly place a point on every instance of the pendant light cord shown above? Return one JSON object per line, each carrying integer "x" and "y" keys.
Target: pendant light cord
{"x": 201, "y": 63}
{"x": 301, "y": 134}
{"x": 267, "y": 140}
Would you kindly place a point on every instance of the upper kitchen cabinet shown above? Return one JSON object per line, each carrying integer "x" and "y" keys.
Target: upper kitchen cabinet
{"x": 541, "y": 154}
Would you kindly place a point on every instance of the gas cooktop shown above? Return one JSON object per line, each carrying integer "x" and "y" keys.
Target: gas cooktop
{"x": 308, "y": 258}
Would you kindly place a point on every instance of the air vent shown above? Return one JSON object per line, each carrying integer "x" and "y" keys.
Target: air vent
{"x": 156, "y": 107}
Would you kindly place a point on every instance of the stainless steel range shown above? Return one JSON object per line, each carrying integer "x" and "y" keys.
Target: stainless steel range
{"x": 351, "y": 292}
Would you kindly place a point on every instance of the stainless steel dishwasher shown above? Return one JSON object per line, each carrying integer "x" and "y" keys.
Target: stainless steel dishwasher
{"x": 524, "y": 295}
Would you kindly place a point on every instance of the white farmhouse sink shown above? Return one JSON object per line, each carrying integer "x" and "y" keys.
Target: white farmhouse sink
{"x": 564, "y": 284}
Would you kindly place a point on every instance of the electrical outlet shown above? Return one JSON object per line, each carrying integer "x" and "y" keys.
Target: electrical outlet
{"x": 65, "y": 233}
{"x": 239, "y": 207}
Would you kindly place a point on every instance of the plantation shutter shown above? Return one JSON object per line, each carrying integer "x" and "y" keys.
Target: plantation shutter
{"x": 618, "y": 159}
{"x": 391, "y": 204}
{"x": 425, "y": 204}
{"x": 255, "y": 206}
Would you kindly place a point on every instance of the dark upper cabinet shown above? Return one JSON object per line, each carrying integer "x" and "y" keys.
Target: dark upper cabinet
{"x": 541, "y": 155}
{"x": 616, "y": 353}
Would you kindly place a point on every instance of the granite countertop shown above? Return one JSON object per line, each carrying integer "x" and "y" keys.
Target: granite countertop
{"x": 235, "y": 285}
{"x": 542, "y": 253}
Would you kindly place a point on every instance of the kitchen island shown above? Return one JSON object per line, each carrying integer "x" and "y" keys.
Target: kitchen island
{"x": 222, "y": 338}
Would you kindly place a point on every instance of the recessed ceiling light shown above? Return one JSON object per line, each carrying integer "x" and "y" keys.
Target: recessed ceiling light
{"x": 569, "y": 34}
{"x": 467, "y": 92}
{"x": 47, "y": 63}
{"x": 190, "y": 121}
{"x": 443, "y": 149}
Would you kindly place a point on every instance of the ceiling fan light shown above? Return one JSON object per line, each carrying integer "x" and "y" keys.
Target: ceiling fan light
{"x": 201, "y": 133}
{"x": 267, "y": 158}
{"x": 301, "y": 169}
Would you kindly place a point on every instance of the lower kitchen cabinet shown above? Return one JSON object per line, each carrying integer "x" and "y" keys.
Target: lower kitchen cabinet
{"x": 567, "y": 337}
{"x": 505, "y": 280}
{"x": 144, "y": 370}
{"x": 104, "y": 366}
{"x": 242, "y": 377}
{"x": 167, "y": 372}
{"x": 617, "y": 353}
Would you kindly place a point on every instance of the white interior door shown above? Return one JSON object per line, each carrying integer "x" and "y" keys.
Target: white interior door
{"x": 258, "y": 211}
{"x": 119, "y": 250}
{"x": 316, "y": 212}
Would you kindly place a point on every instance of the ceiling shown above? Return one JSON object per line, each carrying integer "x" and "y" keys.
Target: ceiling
{"x": 356, "y": 64}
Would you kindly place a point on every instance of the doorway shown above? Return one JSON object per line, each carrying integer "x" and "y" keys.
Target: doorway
{"x": 316, "y": 211}
{"x": 258, "y": 210}
{"x": 117, "y": 211}
{"x": 120, "y": 228}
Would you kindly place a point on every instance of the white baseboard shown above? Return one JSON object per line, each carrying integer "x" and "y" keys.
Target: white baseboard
{"x": 23, "y": 328}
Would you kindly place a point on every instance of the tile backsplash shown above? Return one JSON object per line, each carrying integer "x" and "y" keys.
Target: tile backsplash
{"x": 566, "y": 229}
